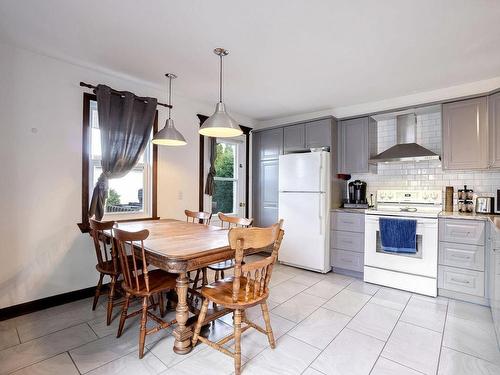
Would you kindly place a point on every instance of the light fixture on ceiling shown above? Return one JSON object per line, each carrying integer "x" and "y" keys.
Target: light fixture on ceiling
{"x": 169, "y": 135}
{"x": 220, "y": 124}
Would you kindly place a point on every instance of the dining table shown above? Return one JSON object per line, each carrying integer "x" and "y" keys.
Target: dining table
{"x": 180, "y": 247}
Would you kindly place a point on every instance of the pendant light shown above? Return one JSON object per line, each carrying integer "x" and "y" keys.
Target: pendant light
{"x": 169, "y": 135}
{"x": 220, "y": 124}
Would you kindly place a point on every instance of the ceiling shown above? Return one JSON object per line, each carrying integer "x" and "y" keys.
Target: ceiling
{"x": 287, "y": 56}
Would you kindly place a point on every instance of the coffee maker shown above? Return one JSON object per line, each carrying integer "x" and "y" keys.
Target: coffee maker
{"x": 356, "y": 195}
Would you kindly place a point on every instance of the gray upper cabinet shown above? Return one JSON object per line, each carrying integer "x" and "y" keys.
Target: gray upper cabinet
{"x": 465, "y": 134}
{"x": 494, "y": 124}
{"x": 357, "y": 140}
{"x": 318, "y": 133}
{"x": 267, "y": 146}
{"x": 294, "y": 137}
{"x": 270, "y": 144}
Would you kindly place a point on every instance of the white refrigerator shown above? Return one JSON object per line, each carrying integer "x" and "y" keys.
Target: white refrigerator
{"x": 304, "y": 204}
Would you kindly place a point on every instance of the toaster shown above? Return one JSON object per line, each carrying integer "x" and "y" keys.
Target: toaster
{"x": 484, "y": 205}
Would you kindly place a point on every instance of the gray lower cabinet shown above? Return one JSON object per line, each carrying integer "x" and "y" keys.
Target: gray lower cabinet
{"x": 494, "y": 125}
{"x": 462, "y": 263}
{"x": 266, "y": 147}
{"x": 347, "y": 241}
{"x": 465, "y": 134}
{"x": 357, "y": 143}
{"x": 494, "y": 278}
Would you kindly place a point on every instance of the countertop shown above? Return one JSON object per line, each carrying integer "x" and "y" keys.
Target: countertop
{"x": 493, "y": 219}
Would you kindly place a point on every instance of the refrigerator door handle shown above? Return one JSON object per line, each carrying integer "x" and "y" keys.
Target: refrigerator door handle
{"x": 320, "y": 210}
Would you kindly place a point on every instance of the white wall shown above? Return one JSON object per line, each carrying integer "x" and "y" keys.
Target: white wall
{"x": 472, "y": 88}
{"x": 43, "y": 252}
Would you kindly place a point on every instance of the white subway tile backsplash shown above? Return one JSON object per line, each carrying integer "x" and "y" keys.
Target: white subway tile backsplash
{"x": 424, "y": 174}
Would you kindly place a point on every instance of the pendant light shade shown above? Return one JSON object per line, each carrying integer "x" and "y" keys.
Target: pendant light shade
{"x": 169, "y": 135}
{"x": 220, "y": 124}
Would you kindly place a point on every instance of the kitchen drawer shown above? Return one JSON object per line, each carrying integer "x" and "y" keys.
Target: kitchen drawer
{"x": 351, "y": 241}
{"x": 460, "y": 280}
{"x": 461, "y": 255}
{"x": 348, "y": 221}
{"x": 461, "y": 231}
{"x": 348, "y": 260}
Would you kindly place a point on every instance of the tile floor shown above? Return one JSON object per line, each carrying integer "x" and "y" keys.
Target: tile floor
{"x": 324, "y": 324}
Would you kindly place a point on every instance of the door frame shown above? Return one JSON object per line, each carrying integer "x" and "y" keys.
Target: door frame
{"x": 201, "y": 170}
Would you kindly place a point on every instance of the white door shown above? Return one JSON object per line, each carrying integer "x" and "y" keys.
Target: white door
{"x": 304, "y": 243}
{"x": 230, "y": 182}
{"x": 303, "y": 172}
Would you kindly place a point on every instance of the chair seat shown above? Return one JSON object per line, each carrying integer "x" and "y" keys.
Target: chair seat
{"x": 159, "y": 281}
{"x": 107, "y": 268}
{"x": 222, "y": 266}
{"x": 221, "y": 293}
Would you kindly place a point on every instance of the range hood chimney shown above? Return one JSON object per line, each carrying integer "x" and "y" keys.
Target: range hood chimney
{"x": 406, "y": 148}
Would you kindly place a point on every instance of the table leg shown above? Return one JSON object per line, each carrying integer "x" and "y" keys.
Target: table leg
{"x": 182, "y": 333}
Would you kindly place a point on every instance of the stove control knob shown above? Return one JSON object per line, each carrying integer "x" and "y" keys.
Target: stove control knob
{"x": 426, "y": 196}
{"x": 434, "y": 196}
{"x": 389, "y": 195}
{"x": 382, "y": 196}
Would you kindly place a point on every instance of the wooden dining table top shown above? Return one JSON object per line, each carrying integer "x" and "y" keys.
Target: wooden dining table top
{"x": 179, "y": 240}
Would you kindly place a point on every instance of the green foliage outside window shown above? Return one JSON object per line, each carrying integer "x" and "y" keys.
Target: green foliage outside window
{"x": 222, "y": 200}
{"x": 113, "y": 198}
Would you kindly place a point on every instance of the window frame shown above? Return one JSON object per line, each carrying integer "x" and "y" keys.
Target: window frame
{"x": 87, "y": 163}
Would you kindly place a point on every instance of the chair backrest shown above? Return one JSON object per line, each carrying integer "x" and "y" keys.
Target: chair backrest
{"x": 234, "y": 221}
{"x": 258, "y": 273}
{"x": 104, "y": 248}
{"x": 204, "y": 217}
{"x": 132, "y": 257}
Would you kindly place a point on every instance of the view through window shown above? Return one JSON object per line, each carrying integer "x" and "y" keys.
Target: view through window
{"x": 225, "y": 195}
{"x": 128, "y": 196}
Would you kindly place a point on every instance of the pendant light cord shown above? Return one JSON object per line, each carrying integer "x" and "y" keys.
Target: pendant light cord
{"x": 169, "y": 96}
{"x": 220, "y": 80}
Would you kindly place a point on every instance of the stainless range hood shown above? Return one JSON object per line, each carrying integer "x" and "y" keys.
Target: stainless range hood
{"x": 406, "y": 149}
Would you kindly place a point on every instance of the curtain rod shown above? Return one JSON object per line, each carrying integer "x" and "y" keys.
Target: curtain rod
{"x": 88, "y": 85}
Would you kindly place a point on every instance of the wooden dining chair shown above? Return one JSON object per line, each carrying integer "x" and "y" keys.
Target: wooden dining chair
{"x": 107, "y": 262}
{"x": 228, "y": 222}
{"x": 140, "y": 282}
{"x": 248, "y": 287}
{"x": 200, "y": 216}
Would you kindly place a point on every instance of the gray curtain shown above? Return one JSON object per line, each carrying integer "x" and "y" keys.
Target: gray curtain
{"x": 125, "y": 122}
{"x": 210, "y": 184}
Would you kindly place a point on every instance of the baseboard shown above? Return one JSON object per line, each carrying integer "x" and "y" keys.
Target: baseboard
{"x": 45, "y": 303}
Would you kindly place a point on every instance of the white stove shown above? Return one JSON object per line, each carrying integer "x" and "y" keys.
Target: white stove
{"x": 413, "y": 272}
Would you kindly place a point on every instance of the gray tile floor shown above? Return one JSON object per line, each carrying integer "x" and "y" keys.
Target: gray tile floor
{"x": 324, "y": 324}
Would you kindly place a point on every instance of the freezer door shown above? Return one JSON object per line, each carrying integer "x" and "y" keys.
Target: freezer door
{"x": 304, "y": 172}
{"x": 306, "y": 230}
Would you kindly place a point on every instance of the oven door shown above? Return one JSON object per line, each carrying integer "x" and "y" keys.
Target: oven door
{"x": 423, "y": 263}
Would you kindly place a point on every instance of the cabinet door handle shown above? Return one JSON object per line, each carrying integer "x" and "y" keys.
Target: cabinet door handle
{"x": 348, "y": 222}
{"x": 461, "y": 281}
{"x": 460, "y": 256}
{"x": 346, "y": 260}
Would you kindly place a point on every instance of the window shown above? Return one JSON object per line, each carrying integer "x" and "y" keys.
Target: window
{"x": 228, "y": 177}
{"x": 132, "y": 196}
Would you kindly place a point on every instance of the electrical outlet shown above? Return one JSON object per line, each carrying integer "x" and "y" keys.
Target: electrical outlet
{"x": 179, "y": 195}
